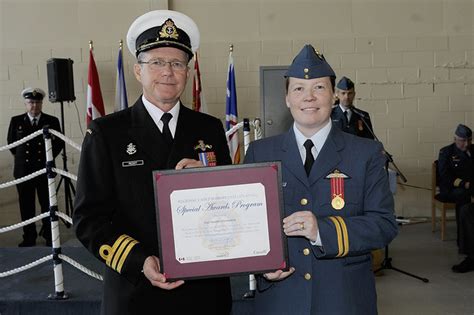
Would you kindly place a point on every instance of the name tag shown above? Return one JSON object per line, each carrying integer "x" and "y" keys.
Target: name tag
{"x": 132, "y": 163}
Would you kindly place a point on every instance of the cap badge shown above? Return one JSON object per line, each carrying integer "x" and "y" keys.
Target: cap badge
{"x": 169, "y": 30}
{"x": 131, "y": 149}
{"x": 337, "y": 189}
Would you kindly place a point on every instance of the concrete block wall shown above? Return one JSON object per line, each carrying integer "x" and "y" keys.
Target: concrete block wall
{"x": 412, "y": 63}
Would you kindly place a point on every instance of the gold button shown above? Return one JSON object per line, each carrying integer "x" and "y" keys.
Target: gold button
{"x": 39, "y": 160}
{"x": 27, "y": 160}
{"x": 307, "y": 276}
{"x": 304, "y": 202}
{"x": 27, "y": 152}
{"x": 27, "y": 144}
{"x": 39, "y": 143}
{"x": 306, "y": 252}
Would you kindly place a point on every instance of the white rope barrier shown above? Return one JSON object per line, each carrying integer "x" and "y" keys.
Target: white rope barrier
{"x": 21, "y": 141}
{"x": 56, "y": 255}
{"x": 66, "y": 139}
{"x": 25, "y": 267}
{"x": 65, "y": 217}
{"x": 21, "y": 224}
{"x": 64, "y": 173}
{"x": 74, "y": 263}
{"x": 23, "y": 179}
{"x": 35, "y": 263}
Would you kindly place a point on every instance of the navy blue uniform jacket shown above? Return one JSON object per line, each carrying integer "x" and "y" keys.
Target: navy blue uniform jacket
{"x": 115, "y": 201}
{"x": 30, "y": 156}
{"x": 455, "y": 168}
{"x": 337, "y": 277}
{"x": 355, "y": 126}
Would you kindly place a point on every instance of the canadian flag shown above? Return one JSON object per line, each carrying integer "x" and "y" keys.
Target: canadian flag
{"x": 95, "y": 104}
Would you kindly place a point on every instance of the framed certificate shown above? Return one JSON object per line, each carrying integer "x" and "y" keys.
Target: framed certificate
{"x": 220, "y": 221}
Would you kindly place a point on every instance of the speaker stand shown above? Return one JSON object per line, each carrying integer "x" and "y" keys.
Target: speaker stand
{"x": 69, "y": 190}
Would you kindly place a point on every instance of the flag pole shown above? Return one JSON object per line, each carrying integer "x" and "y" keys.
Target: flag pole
{"x": 91, "y": 45}
{"x": 120, "y": 44}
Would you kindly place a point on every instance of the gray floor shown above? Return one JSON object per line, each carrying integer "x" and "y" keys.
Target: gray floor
{"x": 417, "y": 251}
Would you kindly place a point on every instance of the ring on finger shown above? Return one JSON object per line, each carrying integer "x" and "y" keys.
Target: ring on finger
{"x": 302, "y": 226}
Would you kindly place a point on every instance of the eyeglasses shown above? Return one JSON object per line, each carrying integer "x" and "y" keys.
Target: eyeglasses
{"x": 159, "y": 64}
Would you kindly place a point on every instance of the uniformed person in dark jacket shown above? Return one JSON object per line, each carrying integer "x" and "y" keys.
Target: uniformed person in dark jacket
{"x": 345, "y": 116}
{"x": 455, "y": 167}
{"x": 30, "y": 157}
{"x": 466, "y": 238}
{"x": 114, "y": 211}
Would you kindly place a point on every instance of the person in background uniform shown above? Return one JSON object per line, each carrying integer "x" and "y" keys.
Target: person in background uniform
{"x": 29, "y": 158}
{"x": 455, "y": 167}
{"x": 466, "y": 238}
{"x": 346, "y": 116}
{"x": 114, "y": 211}
{"x": 337, "y": 208}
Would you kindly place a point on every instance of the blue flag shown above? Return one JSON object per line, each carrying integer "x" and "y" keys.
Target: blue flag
{"x": 231, "y": 113}
{"x": 121, "y": 101}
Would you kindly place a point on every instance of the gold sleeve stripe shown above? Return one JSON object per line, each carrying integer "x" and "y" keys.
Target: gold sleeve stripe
{"x": 125, "y": 254}
{"x": 115, "y": 256}
{"x": 345, "y": 235}
{"x": 457, "y": 182}
{"x": 107, "y": 252}
{"x": 118, "y": 252}
{"x": 339, "y": 235}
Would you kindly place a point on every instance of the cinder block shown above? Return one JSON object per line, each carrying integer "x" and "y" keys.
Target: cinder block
{"x": 418, "y": 59}
{"x": 390, "y": 59}
{"x": 436, "y": 135}
{"x": 461, "y": 103}
{"x": 10, "y": 56}
{"x": 450, "y": 58}
{"x": 23, "y": 72}
{"x": 418, "y": 150}
{"x": 75, "y": 54}
{"x": 419, "y": 120}
{"x": 356, "y": 60}
{"x": 371, "y": 75}
{"x": 255, "y": 62}
{"x": 461, "y": 42}
{"x": 277, "y": 47}
{"x": 433, "y": 103}
{"x": 318, "y": 44}
{"x": 429, "y": 74}
{"x": 36, "y": 56}
{"x": 4, "y": 73}
{"x": 387, "y": 91}
{"x": 370, "y": 44}
{"x": 385, "y": 121}
{"x": 11, "y": 86}
{"x": 407, "y": 105}
{"x": 435, "y": 43}
{"x": 417, "y": 89}
{"x": 446, "y": 89}
{"x": 402, "y": 44}
{"x": 339, "y": 45}
{"x": 462, "y": 74}
{"x": 404, "y": 74}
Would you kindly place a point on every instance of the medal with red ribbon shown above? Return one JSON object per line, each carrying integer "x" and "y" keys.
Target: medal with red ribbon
{"x": 337, "y": 189}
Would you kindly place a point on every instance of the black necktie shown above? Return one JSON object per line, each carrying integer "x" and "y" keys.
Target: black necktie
{"x": 346, "y": 114}
{"x": 308, "y": 163}
{"x": 166, "y": 129}
{"x": 35, "y": 122}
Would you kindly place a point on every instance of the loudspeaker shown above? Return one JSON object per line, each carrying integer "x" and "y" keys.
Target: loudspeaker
{"x": 60, "y": 80}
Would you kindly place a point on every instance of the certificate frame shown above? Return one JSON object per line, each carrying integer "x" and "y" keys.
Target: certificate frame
{"x": 168, "y": 182}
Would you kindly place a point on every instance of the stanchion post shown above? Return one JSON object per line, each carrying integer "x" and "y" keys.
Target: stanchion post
{"x": 59, "y": 293}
